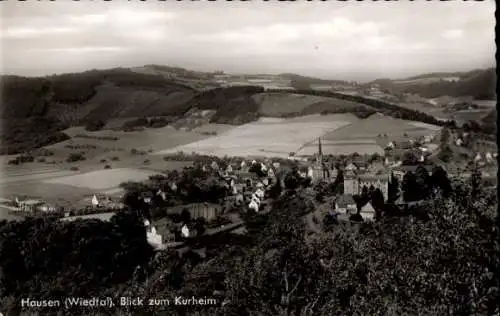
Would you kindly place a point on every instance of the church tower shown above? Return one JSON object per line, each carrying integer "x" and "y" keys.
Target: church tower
{"x": 319, "y": 170}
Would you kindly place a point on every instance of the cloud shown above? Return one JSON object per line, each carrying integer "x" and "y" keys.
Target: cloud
{"x": 123, "y": 18}
{"x": 452, "y": 34}
{"x": 327, "y": 39}
{"x": 80, "y": 50}
{"x": 30, "y": 32}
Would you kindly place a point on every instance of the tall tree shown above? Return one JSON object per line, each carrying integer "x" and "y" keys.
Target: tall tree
{"x": 440, "y": 180}
{"x": 410, "y": 187}
{"x": 423, "y": 182}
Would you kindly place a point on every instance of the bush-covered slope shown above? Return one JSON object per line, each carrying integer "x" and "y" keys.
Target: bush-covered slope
{"x": 234, "y": 105}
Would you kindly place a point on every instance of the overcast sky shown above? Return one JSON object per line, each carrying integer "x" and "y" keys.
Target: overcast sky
{"x": 351, "y": 41}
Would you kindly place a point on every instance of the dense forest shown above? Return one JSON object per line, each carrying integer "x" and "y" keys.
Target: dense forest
{"x": 441, "y": 258}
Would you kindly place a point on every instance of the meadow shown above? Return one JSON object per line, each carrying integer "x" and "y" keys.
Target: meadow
{"x": 380, "y": 129}
{"x": 271, "y": 138}
{"x": 102, "y": 179}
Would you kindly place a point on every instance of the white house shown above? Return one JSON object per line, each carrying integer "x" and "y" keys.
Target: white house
{"x": 239, "y": 199}
{"x": 47, "y": 208}
{"x": 489, "y": 157}
{"x": 310, "y": 172}
{"x": 173, "y": 186}
{"x": 263, "y": 167}
{"x": 459, "y": 142}
{"x": 390, "y": 145}
{"x": 276, "y": 165}
{"x": 243, "y": 164}
{"x": 428, "y": 138}
{"x": 162, "y": 195}
{"x": 478, "y": 157}
{"x": 368, "y": 212}
{"x": 254, "y": 162}
{"x": 185, "y": 231}
{"x": 229, "y": 168}
{"x": 265, "y": 182}
{"x": 253, "y": 206}
{"x": 270, "y": 172}
{"x": 259, "y": 193}
{"x": 95, "y": 201}
{"x": 153, "y": 238}
{"x": 255, "y": 198}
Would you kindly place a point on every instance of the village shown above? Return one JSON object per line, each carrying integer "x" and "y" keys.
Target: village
{"x": 251, "y": 185}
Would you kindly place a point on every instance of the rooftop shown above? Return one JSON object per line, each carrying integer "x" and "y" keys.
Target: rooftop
{"x": 31, "y": 202}
{"x": 381, "y": 177}
{"x": 101, "y": 216}
{"x": 344, "y": 200}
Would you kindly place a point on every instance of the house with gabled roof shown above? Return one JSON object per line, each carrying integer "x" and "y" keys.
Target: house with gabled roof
{"x": 345, "y": 204}
{"x": 368, "y": 212}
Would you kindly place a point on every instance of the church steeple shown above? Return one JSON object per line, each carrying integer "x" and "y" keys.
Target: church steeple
{"x": 319, "y": 160}
{"x": 320, "y": 151}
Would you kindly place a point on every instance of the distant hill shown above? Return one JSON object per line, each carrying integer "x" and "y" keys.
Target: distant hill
{"x": 479, "y": 84}
{"x": 75, "y": 99}
{"x": 36, "y": 110}
{"x": 173, "y": 72}
{"x": 304, "y": 82}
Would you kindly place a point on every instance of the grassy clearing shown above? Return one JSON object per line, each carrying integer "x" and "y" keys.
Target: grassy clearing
{"x": 264, "y": 138}
{"x": 102, "y": 179}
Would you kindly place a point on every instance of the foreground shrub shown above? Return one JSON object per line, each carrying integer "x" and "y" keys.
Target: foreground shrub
{"x": 74, "y": 157}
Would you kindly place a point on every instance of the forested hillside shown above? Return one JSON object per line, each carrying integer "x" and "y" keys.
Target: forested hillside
{"x": 75, "y": 99}
{"x": 479, "y": 84}
{"x": 82, "y": 98}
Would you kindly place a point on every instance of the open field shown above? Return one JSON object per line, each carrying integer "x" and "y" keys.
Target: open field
{"x": 55, "y": 178}
{"x": 425, "y": 126}
{"x": 362, "y": 136}
{"x": 6, "y": 215}
{"x": 151, "y": 138}
{"x": 117, "y": 153}
{"x": 102, "y": 179}
{"x": 265, "y": 138}
{"x": 341, "y": 149}
{"x": 371, "y": 127}
{"x": 486, "y": 103}
{"x": 63, "y": 187}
